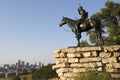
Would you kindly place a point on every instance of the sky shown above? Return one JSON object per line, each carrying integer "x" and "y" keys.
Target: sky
{"x": 29, "y": 29}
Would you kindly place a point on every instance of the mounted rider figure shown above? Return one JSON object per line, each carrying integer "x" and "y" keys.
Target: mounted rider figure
{"x": 84, "y": 16}
{"x": 83, "y": 13}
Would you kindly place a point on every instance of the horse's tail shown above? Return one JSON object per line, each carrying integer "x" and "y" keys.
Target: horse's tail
{"x": 100, "y": 27}
{"x": 101, "y": 30}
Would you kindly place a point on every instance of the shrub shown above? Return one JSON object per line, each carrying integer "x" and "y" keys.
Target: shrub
{"x": 94, "y": 75}
{"x": 44, "y": 73}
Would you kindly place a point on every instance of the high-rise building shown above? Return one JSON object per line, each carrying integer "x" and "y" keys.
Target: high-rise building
{"x": 35, "y": 64}
{"x": 19, "y": 63}
{"x": 27, "y": 65}
{"x": 40, "y": 64}
{"x": 23, "y": 64}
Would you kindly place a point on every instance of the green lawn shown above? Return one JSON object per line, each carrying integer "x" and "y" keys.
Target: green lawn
{"x": 28, "y": 76}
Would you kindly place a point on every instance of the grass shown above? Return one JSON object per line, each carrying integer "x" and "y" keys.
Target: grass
{"x": 94, "y": 75}
{"x": 28, "y": 76}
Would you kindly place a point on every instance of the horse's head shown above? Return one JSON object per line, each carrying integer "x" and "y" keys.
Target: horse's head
{"x": 62, "y": 22}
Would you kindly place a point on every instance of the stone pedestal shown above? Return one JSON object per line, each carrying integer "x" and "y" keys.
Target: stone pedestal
{"x": 72, "y": 61}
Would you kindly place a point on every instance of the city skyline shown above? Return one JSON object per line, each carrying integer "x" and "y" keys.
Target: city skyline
{"x": 20, "y": 67}
{"x": 29, "y": 29}
{"x": 22, "y": 62}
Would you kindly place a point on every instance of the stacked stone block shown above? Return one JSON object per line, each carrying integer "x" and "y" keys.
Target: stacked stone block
{"x": 72, "y": 61}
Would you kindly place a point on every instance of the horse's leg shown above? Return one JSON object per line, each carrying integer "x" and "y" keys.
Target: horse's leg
{"x": 78, "y": 34}
{"x": 96, "y": 38}
{"x": 78, "y": 39}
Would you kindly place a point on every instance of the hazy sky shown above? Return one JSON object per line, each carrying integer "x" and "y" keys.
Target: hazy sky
{"x": 29, "y": 29}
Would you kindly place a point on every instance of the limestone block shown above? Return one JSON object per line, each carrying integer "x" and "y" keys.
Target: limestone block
{"x": 109, "y": 60}
{"x": 78, "y": 70}
{"x": 63, "y": 70}
{"x": 113, "y": 65}
{"x": 56, "y": 55}
{"x": 54, "y": 67}
{"x": 109, "y": 65}
{"x": 95, "y": 69}
{"x": 60, "y": 55}
{"x": 86, "y": 65}
{"x": 116, "y": 54}
{"x": 79, "y": 65}
{"x": 76, "y": 65}
{"x": 99, "y": 69}
{"x": 63, "y": 78}
{"x": 110, "y": 69}
{"x": 61, "y": 60}
{"x": 68, "y": 50}
{"x": 79, "y": 49}
{"x": 60, "y": 74}
{"x": 57, "y": 51}
{"x": 93, "y": 65}
{"x": 111, "y": 48}
{"x": 62, "y": 65}
{"x": 94, "y": 59}
{"x": 74, "y": 55}
{"x": 63, "y": 55}
{"x": 73, "y": 60}
{"x": 105, "y": 55}
{"x": 70, "y": 79}
{"x": 94, "y": 53}
{"x": 119, "y": 58}
{"x": 87, "y": 54}
{"x": 115, "y": 75}
{"x": 69, "y": 74}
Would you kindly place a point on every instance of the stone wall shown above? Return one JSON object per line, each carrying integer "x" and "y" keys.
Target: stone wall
{"x": 71, "y": 61}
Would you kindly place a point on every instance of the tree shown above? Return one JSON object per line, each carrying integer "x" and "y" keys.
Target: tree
{"x": 43, "y": 73}
{"x": 84, "y": 43}
{"x": 108, "y": 15}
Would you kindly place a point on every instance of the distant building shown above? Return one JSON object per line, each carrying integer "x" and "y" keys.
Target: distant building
{"x": 23, "y": 64}
{"x": 27, "y": 65}
{"x": 19, "y": 63}
{"x": 39, "y": 64}
{"x": 6, "y": 66}
{"x": 1, "y": 65}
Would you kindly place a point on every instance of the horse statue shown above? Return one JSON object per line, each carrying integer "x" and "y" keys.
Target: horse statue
{"x": 88, "y": 25}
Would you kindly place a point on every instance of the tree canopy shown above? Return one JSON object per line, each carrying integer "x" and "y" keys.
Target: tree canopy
{"x": 108, "y": 16}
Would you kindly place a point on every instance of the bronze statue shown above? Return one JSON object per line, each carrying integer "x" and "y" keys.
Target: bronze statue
{"x": 84, "y": 24}
{"x": 91, "y": 24}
